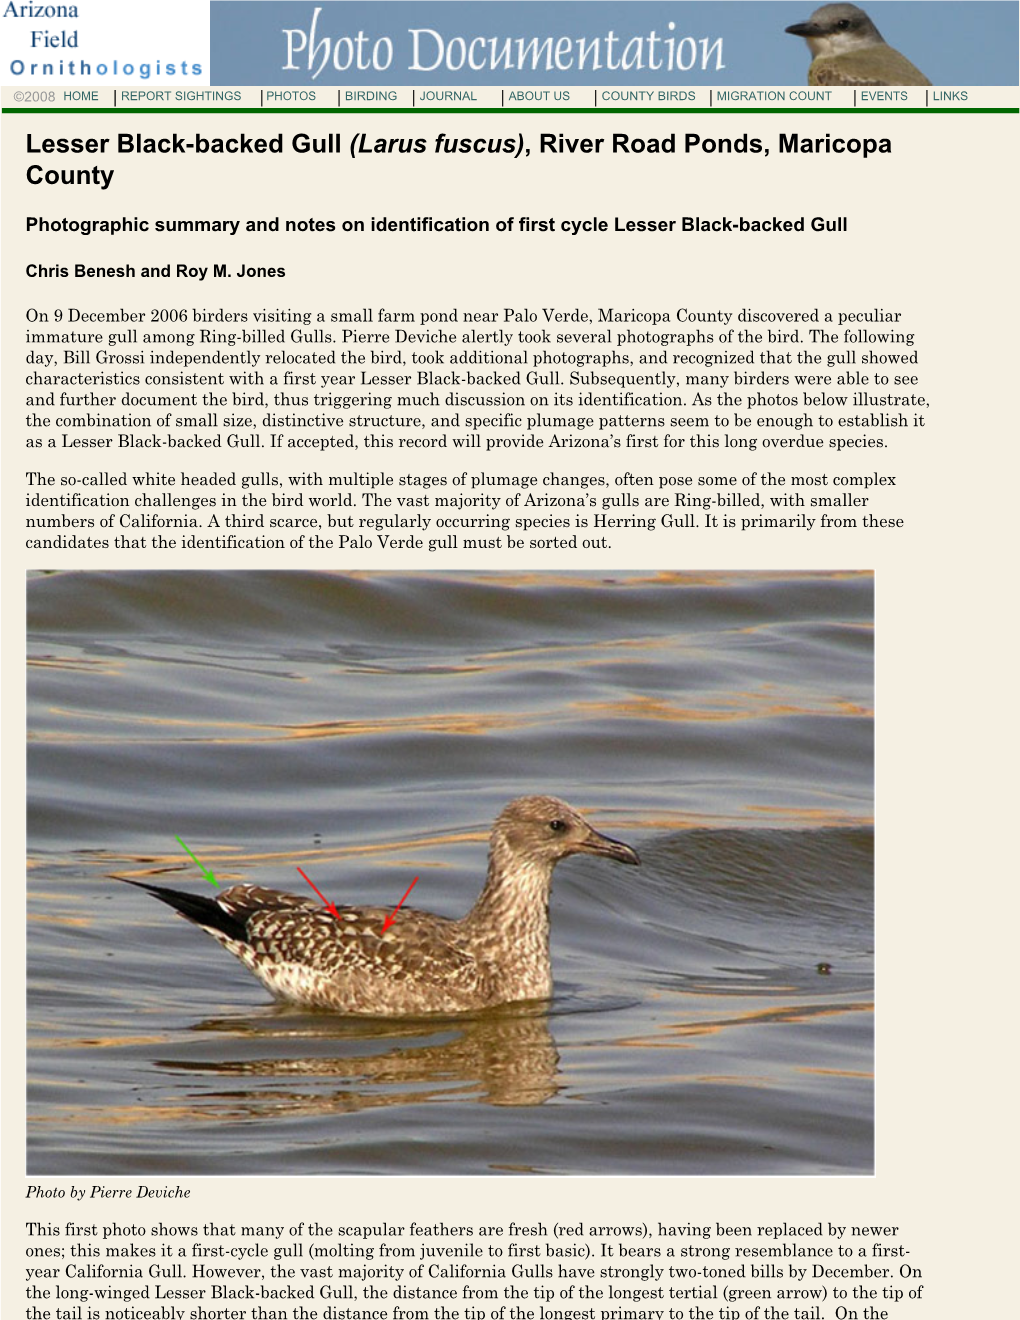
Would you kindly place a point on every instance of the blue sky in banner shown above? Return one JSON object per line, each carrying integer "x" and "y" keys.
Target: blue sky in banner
{"x": 955, "y": 42}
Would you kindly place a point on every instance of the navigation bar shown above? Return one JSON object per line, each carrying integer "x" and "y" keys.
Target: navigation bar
{"x": 700, "y": 99}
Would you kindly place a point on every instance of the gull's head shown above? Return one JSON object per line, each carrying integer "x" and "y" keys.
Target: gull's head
{"x": 545, "y": 830}
{"x": 837, "y": 30}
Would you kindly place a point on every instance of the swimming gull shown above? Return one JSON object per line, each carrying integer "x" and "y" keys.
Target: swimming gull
{"x": 421, "y": 963}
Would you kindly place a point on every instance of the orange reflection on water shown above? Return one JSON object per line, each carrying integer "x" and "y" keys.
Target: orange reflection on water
{"x": 776, "y": 1014}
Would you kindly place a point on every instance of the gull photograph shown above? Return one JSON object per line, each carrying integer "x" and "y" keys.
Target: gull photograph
{"x": 463, "y": 873}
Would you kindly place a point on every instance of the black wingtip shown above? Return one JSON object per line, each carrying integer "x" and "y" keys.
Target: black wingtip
{"x": 202, "y": 911}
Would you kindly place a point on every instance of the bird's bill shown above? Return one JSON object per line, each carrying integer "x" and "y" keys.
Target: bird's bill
{"x": 804, "y": 29}
{"x": 602, "y": 846}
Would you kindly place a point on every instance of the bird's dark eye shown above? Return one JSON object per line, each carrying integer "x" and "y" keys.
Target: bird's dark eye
{"x": 557, "y": 825}
{"x": 843, "y": 24}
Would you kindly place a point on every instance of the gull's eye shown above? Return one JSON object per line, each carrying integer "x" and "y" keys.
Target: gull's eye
{"x": 557, "y": 825}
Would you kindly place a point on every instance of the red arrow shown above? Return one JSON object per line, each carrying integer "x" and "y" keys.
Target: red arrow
{"x": 393, "y": 915}
{"x": 322, "y": 896}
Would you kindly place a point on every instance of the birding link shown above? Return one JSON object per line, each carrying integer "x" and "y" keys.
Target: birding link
{"x": 848, "y": 51}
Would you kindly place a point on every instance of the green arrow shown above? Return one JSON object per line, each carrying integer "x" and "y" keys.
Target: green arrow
{"x": 206, "y": 873}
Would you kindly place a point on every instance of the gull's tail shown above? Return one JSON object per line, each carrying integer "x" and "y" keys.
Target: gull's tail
{"x": 204, "y": 912}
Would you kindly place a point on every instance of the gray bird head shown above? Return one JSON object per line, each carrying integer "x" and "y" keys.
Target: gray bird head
{"x": 545, "y": 830}
{"x": 837, "y": 30}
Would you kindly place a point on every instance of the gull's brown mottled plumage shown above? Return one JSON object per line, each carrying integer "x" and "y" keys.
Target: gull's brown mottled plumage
{"x": 422, "y": 963}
